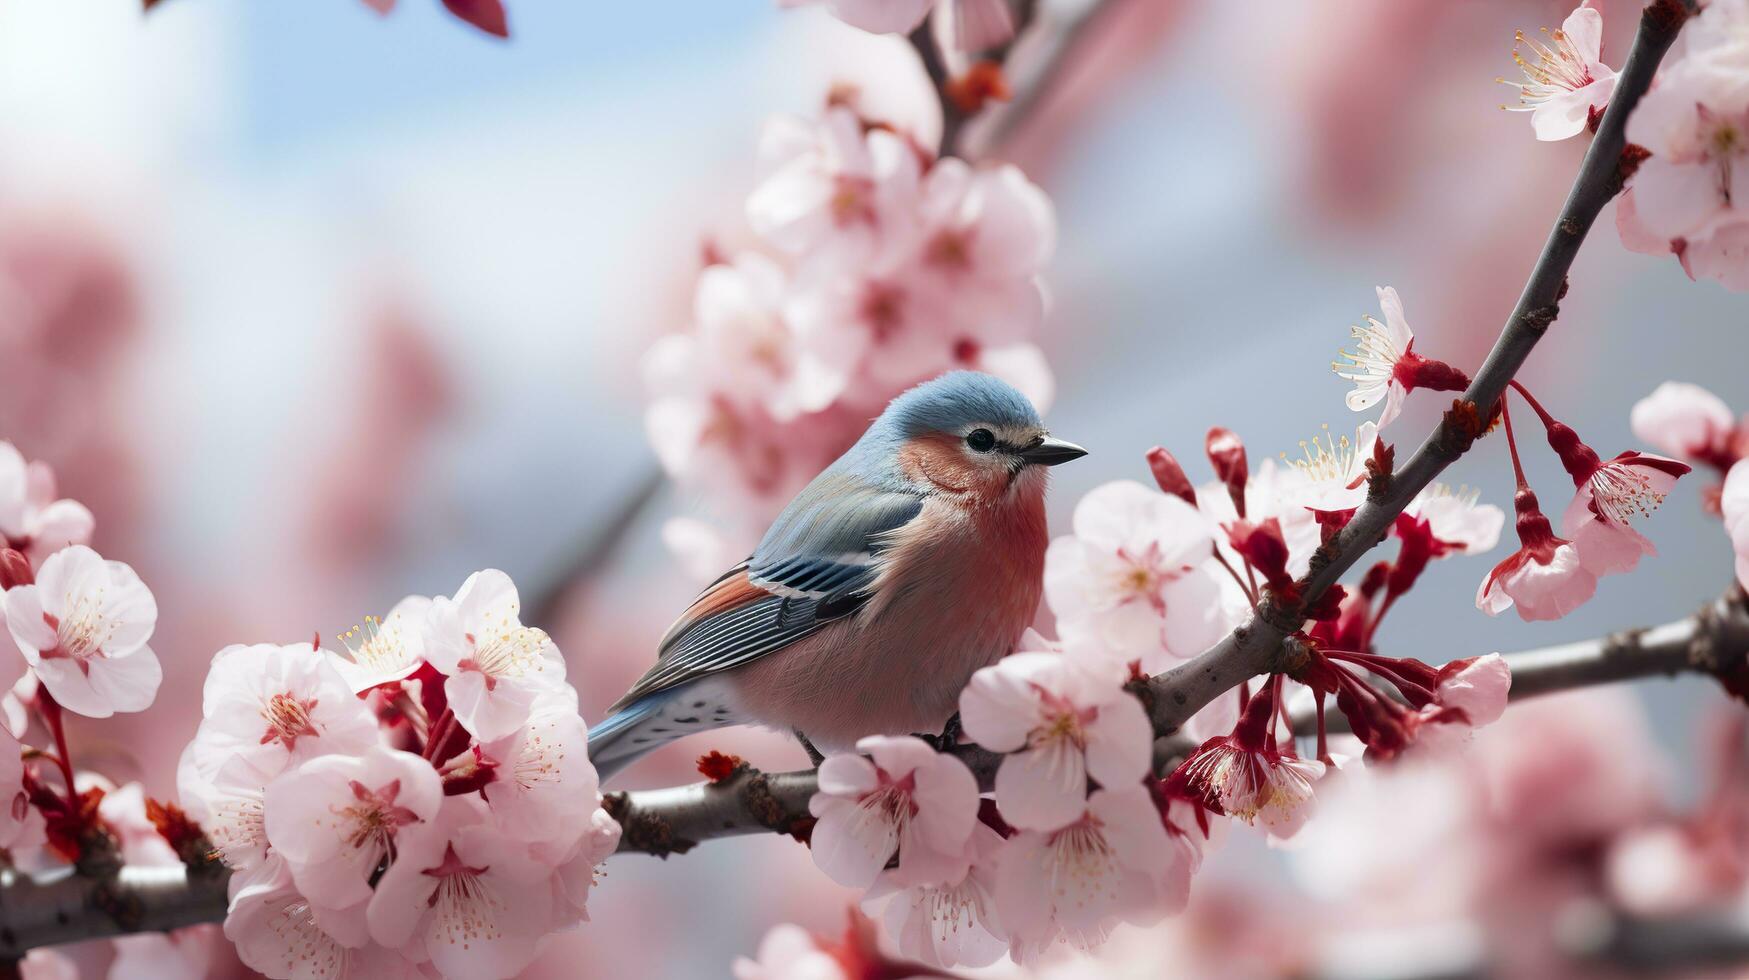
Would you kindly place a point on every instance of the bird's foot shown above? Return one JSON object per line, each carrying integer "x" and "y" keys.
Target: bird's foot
{"x": 949, "y": 737}
{"x": 814, "y": 755}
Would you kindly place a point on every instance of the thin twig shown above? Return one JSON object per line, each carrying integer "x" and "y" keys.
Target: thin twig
{"x": 929, "y": 52}
{"x": 1037, "y": 79}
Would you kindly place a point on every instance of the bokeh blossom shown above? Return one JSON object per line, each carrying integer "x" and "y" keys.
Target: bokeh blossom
{"x": 1682, "y": 200}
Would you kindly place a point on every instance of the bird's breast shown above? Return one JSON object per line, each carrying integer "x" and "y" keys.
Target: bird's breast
{"x": 955, "y": 590}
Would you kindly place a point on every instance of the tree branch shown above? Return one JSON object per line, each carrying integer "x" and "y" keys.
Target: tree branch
{"x": 69, "y": 906}
{"x": 1253, "y": 648}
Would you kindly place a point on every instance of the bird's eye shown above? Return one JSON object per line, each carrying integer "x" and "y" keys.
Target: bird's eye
{"x": 981, "y": 440}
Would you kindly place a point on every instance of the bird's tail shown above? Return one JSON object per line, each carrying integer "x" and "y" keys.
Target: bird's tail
{"x": 654, "y": 720}
{"x": 614, "y": 743}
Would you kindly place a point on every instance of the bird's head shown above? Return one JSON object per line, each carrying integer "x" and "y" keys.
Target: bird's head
{"x": 970, "y": 436}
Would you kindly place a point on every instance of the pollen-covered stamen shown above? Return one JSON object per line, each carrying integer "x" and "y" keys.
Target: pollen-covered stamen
{"x": 1619, "y": 492}
{"x": 288, "y": 719}
{"x": 369, "y": 823}
{"x": 295, "y": 927}
{"x": 1081, "y": 859}
{"x": 1374, "y": 358}
{"x": 539, "y": 759}
{"x": 238, "y": 826}
{"x": 512, "y": 651}
{"x": 1143, "y": 576}
{"x": 82, "y": 630}
{"x": 1334, "y": 460}
{"x": 949, "y": 908}
{"x": 1552, "y": 69}
{"x": 466, "y": 908}
{"x": 370, "y": 645}
{"x": 1726, "y": 138}
{"x": 885, "y": 813}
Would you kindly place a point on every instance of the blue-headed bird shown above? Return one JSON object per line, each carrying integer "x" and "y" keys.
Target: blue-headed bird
{"x": 912, "y": 561}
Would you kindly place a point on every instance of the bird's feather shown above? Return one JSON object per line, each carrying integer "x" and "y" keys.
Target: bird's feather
{"x": 815, "y": 565}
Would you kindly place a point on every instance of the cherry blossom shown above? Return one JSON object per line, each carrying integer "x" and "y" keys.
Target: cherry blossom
{"x": 464, "y": 895}
{"x": 541, "y": 777}
{"x": 1544, "y": 578}
{"x": 1248, "y": 776}
{"x": 1632, "y": 484}
{"x": 280, "y": 705}
{"x": 1609, "y": 494}
{"x": 833, "y": 192}
{"x": 32, "y": 520}
{"x": 83, "y": 628}
{"x": 578, "y": 872}
{"x": 225, "y": 794}
{"x": 336, "y": 819}
{"x": 1112, "y": 862}
{"x": 1565, "y": 80}
{"x": 1734, "y": 503}
{"x": 1458, "y": 519}
{"x": 950, "y": 922}
{"x": 1131, "y": 579}
{"x": 379, "y": 651}
{"x": 743, "y": 334}
{"x": 1692, "y": 122}
{"x": 1384, "y": 365}
{"x": 905, "y": 796}
{"x": 276, "y": 933}
{"x": 1689, "y": 421}
{"x": 1332, "y": 470}
{"x": 974, "y": 25}
{"x": 1061, "y": 724}
{"x": 496, "y": 667}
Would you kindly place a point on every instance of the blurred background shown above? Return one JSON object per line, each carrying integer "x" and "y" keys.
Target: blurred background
{"x": 316, "y": 308}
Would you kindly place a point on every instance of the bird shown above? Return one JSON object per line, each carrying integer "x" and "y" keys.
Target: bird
{"x": 910, "y": 562}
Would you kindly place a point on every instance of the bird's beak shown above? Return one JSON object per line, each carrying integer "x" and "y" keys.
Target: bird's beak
{"x": 1050, "y": 452}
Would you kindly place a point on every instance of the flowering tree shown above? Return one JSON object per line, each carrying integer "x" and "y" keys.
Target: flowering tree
{"x": 416, "y": 797}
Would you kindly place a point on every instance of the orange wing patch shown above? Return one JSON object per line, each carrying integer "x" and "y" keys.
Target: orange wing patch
{"x": 730, "y": 592}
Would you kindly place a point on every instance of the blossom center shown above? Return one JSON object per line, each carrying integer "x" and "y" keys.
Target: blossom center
{"x": 372, "y": 818}
{"x": 82, "y": 630}
{"x": 288, "y": 719}
{"x": 1081, "y": 858}
{"x": 1620, "y": 492}
{"x": 466, "y": 909}
{"x": 850, "y": 202}
{"x": 1553, "y": 69}
{"x": 510, "y": 653}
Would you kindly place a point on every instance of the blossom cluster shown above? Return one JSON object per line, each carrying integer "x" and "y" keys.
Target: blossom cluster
{"x": 1548, "y": 576}
{"x": 1687, "y": 135}
{"x": 877, "y": 266}
{"x": 425, "y": 798}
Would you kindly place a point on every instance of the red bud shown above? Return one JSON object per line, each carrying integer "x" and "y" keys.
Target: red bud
{"x": 1170, "y": 476}
{"x": 14, "y": 569}
{"x": 1227, "y": 454}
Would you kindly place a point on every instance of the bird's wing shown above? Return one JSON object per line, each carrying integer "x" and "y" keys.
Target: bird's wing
{"x": 814, "y": 566}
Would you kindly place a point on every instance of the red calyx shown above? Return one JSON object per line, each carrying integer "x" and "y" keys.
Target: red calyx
{"x": 1414, "y": 371}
